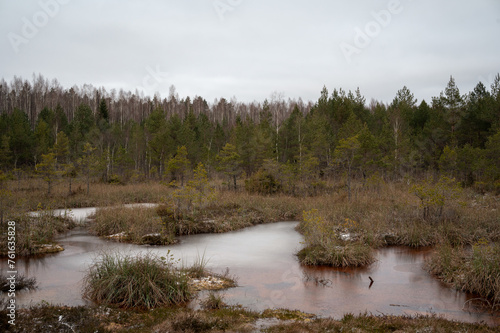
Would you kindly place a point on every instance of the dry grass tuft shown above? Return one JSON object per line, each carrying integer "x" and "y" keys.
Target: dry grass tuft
{"x": 144, "y": 281}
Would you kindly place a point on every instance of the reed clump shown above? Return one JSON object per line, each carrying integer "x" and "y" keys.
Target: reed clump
{"x": 140, "y": 281}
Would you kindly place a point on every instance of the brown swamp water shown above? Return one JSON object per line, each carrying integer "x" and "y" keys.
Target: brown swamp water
{"x": 263, "y": 260}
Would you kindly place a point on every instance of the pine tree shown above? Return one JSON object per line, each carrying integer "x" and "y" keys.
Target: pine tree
{"x": 89, "y": 163}
{"x": 61, "y": 148}
{"x": 229, "y": 162}
{"x": 42, "y": 139}
{"x": 103, "y": 111}
{"x": 21, "y": 137}
{"x": 453, "y": 104}
{"x": 159, "y": 138}
{"x": 346, "y": 154}
{"x": 178, "y": 165}
{"x": 5, "y": 193}
{"x": 47, "y": 168}
{"x": 5, "y": 152}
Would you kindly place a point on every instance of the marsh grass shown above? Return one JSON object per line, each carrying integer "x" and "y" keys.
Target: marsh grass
{"x": 51, "y": 318}
{"x": 390, "y": 215}
{"x": 198, "y": 268}
{"x": 140, "y": 224}
{"x": 330, "y": 244}
{"x": 473, "y": 269}
{"x": 214, "y": 301}
{"x": 139, "y": 281}
{"x": 384, "y": 214}
{"x": 32, "y": 231}
{"x": 348, "y": 255}
{"x": 31, "y": 193}
{"x": 388, "y": 208}
{"x": 384, "y": 323}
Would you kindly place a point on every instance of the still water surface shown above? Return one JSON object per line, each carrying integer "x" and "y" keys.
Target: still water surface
{"x": 268, "y": 275}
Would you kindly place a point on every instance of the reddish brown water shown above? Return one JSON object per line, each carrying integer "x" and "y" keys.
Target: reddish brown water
{"x": 269, "y": 275}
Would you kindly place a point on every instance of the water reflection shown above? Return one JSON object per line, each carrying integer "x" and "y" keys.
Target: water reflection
{"x": 269, "y": 275}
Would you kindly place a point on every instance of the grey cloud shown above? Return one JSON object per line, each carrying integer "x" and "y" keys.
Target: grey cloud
{"x": 253, "y": 48}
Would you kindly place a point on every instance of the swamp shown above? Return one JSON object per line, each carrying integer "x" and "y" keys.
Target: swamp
{"x": 140, "y": 215}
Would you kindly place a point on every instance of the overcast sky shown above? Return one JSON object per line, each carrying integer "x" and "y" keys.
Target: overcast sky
{"x": 252, "y": 48}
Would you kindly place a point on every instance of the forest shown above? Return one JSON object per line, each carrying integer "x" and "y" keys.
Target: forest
{"x": 277, "y": 145}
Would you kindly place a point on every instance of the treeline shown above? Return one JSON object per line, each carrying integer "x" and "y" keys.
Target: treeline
{"x": 274, "y": 144}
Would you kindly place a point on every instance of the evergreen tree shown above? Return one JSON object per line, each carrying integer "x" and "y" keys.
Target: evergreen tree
{"x": 21, "y": 137}
{"x": 492, "y": 156}
{"x": 158, "y": 138}
{"x": 5, "y": 193}
{"x": 347, "y": 154}
{"x": 89, "y": 163}
{"x": 103, "y": 113}
{"x": 478, "y": 118}
{"x": 61, "y": 148}
{"x": 178, "y": 165}
{"x": 80, "y": 128}
{"x": 42, "y": 139}
{"x": 47, "y": 168}
{"x": 49, "y": 117}
{"x": 60, "y": 121}
{"x": 453, "y": 106}
{"x": 292, "y": 137}
{"x": 5, "y": 153}
{"x": 230, "y": 163}
{"x": 448, "y": 161}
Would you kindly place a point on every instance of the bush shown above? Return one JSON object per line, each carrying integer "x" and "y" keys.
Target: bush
{"x": 433, "y": 197}
{"x": 263, "y": 182}
{"x": 115, "y": 180}
{"x": 143, "y": 281}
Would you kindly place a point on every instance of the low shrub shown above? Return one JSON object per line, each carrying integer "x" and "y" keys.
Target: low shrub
{"x": 263, "y": 182}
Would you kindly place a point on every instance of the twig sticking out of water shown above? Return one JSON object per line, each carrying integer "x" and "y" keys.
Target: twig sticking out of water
{"x": 371, "y": 282}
